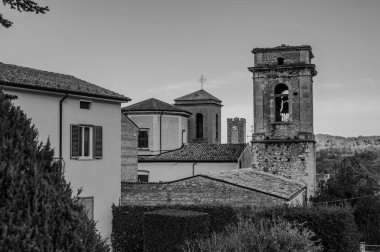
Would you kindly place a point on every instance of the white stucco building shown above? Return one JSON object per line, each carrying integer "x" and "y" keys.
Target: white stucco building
{"x": 162, "y": 127}
{"x": 83, "y": 123}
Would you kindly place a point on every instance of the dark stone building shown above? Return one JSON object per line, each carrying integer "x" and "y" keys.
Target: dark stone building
{"x": 283, "y": 140}
{"x": 236, "y": 130}
{"x": 204, "y": 125}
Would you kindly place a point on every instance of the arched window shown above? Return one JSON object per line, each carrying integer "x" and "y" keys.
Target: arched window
{"x": 199, "y": 125}
{"x": 217, "y": 126}
{"x": 281, "y": 94}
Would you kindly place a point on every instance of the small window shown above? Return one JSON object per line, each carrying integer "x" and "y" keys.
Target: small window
{"x": 143, "y": 176}
{"x": 280, "y": 61}
{"x": 85, "y": 105}
{"x": 88, "y": 204}
{"x": 86, "y": 141}
{"x": 143, "y": 139}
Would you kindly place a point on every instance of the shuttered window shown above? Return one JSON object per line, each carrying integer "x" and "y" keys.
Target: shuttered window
{"x": 86, "y": 141}
{"x": 98, "y": 142}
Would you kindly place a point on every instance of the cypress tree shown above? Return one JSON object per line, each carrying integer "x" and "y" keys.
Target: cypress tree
{"x": 37, "y": 210}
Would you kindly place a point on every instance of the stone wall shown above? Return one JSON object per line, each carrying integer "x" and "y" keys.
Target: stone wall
{"x": 194, "y": 190}
{"x": 291, "y": 159}
{"x": 129, "y": 136}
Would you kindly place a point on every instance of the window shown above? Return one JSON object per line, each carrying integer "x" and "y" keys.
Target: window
{"x": 88, "y": 204}
{"x": 143, "y": 176}
{"x": 86, "y": 141}
{"x": 282, "y": 103}
{"x": 199, "y": 125}
{"x": 280, "y": 61}
{"x": 84, "y": 104}
{"x": 217, "y": 126}
{"x": 143, "y": 139}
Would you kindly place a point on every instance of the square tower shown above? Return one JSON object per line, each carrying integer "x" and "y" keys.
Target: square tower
{"x": 283, "y": 140}
{"x": 236, "y": 130}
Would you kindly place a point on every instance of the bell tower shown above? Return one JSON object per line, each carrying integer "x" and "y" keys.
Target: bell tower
{"x": 283, "y": 140}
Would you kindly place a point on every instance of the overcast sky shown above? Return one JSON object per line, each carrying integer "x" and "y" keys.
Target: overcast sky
{"x": 159, "y": 48}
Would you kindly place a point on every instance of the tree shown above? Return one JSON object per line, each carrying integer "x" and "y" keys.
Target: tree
{"x": 22, "y": 6}
{"x": 37, "y": 211}
{"x": 352, "y": 186}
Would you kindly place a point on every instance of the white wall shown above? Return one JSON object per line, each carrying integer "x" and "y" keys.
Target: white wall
{"x": 171, "y": 134}
{"x": 159, "y": 171}
{"x": 98, "y": 177}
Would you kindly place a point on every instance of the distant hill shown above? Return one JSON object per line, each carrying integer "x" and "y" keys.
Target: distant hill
{"x": 331, "y": 150}
{"x": 347, "y": 145}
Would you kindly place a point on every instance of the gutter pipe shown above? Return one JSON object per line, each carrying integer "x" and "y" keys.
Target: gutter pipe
{"x": 60, "y": 124}
{"x": 161, "y": 131}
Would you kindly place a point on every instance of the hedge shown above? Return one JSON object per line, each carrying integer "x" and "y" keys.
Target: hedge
{"x": 167, "y": 229}
{"x": 127, "y": 223}
{"x": 334, "y": 226}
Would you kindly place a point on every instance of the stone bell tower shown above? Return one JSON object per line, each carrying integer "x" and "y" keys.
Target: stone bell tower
{"x": 283, "y": 140}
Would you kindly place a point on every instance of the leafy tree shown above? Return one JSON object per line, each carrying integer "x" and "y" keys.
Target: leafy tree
{"x": 22, "y": 6}
{"x": 37, "y": 211}
{"x": 352, "y": 186}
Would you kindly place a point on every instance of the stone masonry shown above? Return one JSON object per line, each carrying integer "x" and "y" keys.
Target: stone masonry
{"x": 283, "y": 140}
{"x": 129, "y": 136}
{"x": 236, "y": 130}
{"x": 194, "y": 190}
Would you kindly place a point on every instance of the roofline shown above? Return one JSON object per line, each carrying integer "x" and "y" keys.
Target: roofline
{"x": 223, "y": 181}
{"x": 155, "y": 111}
{"x": 62, "y": 91}
{"x": 297, "y": 193}
{"x": 283, "y": 48}
{"x": 186, "y": 161}
{"x": 129, "y": 119}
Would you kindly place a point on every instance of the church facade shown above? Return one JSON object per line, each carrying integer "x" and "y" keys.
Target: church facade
{"x": 283, "y": 140}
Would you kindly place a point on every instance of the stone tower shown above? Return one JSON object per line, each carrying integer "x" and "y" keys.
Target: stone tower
{"x": 236, "y": 130}
{"x": 283, "y": 140}
{"x": 205, "y": 122}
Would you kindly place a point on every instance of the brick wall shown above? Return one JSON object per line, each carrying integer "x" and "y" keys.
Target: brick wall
{"x": 129, "y": 136}
{"x": 194, "y": 190}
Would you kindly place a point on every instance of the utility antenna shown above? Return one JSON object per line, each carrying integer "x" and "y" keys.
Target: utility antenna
{"x": 202, "y": 80}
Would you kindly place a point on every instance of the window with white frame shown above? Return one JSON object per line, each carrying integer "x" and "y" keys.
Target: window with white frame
{"x": 86, "y": 141}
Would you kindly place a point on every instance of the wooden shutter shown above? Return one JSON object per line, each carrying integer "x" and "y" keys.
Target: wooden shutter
{"x": 98, "y": 142}
{"x": 74, "y": 141}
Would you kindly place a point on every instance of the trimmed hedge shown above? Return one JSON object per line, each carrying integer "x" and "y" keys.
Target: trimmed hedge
{"x": 334, "y": 226}
{"x": 127, "y": 222}
{"x": 167, "y": 229}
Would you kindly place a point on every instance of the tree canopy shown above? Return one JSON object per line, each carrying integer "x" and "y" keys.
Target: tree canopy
{"x": 37, "y": 211}
{"x": 22, "y": 6}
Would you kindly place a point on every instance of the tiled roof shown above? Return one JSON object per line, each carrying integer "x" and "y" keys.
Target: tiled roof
{"x": 283, "y": 47}
{"x": 259, "y": 181}
{"x": 24, "y": 77}
{"x": 199, "y": 153}
{"x": 200, "y": 95}
{"x": 153, "y": 104}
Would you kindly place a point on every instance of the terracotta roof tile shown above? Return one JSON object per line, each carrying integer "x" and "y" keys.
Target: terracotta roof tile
{"x": 200, "y": 95}
{"x": 24, "y": 77}
{"x": 152, "y": 104}
{"x": 200, "y": 153}
{"x": 259, "y": 181}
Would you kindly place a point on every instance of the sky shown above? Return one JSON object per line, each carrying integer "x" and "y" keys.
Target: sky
{"x": 159, "y": 49}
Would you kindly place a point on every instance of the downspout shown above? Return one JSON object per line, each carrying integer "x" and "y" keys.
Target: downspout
{"x": 161, "y": 131}
{"x": 60, "y": 125}
{"x": 194, "y": 168}
{"x": 183, "y": 131}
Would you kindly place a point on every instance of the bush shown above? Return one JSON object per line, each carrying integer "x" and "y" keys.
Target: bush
{"x": 127, "y": 222}
{"x": 258, "y": 235}
{"x": 166, "y": 229}
{"x": 37, "y": 212}
{"x": 334, "y": 226}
